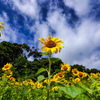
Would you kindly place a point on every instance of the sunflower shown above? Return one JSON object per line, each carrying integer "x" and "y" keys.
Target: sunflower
{"x": 75, "y": 71}
{"x": 98, "y": 74}
{"x": 1, "y": 27}
{"x": 12, "y": 79}
{"x": 8, "y": 73}
{"x": 60, "y": 75}
{"x": 51, "y": 44}
{"x": 85, "y": 74}
{"x": 65, "y": 67}
{"x": 80, "y": 74}
{"x": 70, "y": 78}
{"x": 69, "y": 84}
{"x": 92, "y": 74}
{"x": 7, "y": 67}
{"x": 77, "y": 80}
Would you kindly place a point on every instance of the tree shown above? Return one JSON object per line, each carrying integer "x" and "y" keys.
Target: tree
{"x": 9, "y": 52}
{"x": 35, "y": 53}
{"x": 79, "y": 67}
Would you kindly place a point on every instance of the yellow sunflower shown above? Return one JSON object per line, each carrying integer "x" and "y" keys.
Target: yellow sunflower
{"x": 69, "y": 84}
{"x": 12, "y": 79}
{"x": 80, "y": 74}
{"x": 1, "y": 27}
{"x": 65, "y": 67}
{"x": 8, "y": 73}
{"x": 51, "y": 44}
{"x": 7, "y": 67}
{"x": 85, "y": 74}
{"x": 77, "y": 80}
{"x": 92, "y": 74}
{"x": 75, "y": 71}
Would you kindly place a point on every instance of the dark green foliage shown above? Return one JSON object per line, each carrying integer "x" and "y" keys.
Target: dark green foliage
{"x": 35, "y": 54}
{"x": 16, "y": 54}
{"x": 79, "y": 67}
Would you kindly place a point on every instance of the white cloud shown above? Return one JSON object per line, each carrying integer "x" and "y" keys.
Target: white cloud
{"x": 42, "y": 30}
{"x": 80, "y": 6}
{"x": 79, "y": 43}
{"x": 9, "y": 33}
{"x": 30, "y": 59}
{"x": 27, "y": 7}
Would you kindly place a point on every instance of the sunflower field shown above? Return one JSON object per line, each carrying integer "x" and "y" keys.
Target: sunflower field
{"x": 57, "y": 86}
{"x": 79, "y": 86}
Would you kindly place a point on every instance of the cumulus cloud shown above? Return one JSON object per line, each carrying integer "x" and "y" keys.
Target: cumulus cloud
{"x": 80, "y": 6}
{"x": 79, "y": 43}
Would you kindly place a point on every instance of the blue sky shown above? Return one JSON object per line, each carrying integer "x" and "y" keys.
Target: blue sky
{"x": 75, "y": 22}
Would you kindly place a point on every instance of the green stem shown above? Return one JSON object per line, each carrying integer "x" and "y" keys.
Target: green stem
{"x": 49, "y": 77}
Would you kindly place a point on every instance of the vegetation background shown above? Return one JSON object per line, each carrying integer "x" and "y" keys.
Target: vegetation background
{"x": 14, "y": 53}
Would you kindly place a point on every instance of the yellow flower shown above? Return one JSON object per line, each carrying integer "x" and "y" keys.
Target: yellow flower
{"x": 70, "y": 78}
{"x": 80, "y": 74}
{"x": 75, "y": 71}
{"x": 98, "y": 74}
{"x": 85, "y": 74}
{"x": 8, "y": 73}
{"x": 92, "y": 75}
{"x": 12, "y": 79}
{"x": 25, "y": 83}
{"x": 16, "y": 83}
{"x": 69, "y": 84}
{"x": 65, "y": 67}
{"x": 45, "y": 81}
{"x": 29, "y": 90}
{"x": 1, "y": 27}
{"x": 7, "y": 67}
{"x": 54, "y": 88}
{"x": 51, "y": 44}
{"x": 39, "y": 85}
{"x": 77, "y": 79}
{"x": 60, "y": 75}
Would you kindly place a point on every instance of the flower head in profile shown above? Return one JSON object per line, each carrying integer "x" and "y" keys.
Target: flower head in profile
{"x": 1, "y": 27}
{"x": 51, "y": 44}
{"x": 7, "y": 67}
{"x": 8, "y": 73}
{"x": 65, "y": 67}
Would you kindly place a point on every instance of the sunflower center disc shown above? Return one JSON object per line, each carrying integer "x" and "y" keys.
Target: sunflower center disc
{"x": 50, "y": 44}
{"x": 6, "y": 66}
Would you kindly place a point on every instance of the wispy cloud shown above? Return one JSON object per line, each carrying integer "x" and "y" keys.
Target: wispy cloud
{"x": 10, "y": 34}
{"x": 81, "y": 7}
{"x": 27, "y": 7}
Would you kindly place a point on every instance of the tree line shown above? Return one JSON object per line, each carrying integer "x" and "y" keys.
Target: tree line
{"x": 16, "y": 54}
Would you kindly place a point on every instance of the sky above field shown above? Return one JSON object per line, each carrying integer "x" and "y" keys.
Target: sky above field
{"x": 75, "y": 22}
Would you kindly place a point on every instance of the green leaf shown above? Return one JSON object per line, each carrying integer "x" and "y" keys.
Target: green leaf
{"x": 84, "y": 87}
{"x": 83, "y": 96}
{"x": 55, "y": 60}
{"x": 40, "y": 78}
{"x": 72, "y": 91}
{"x": 60, "y": 84}
{"x": 44, "y": 53}
{"x": 41, "y": 70}
{"x": 91, "y": 78}
{"x": 57, "y": 70}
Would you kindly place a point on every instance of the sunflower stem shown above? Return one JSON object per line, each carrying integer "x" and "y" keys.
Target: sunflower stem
{"x": 48, "y": 89}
